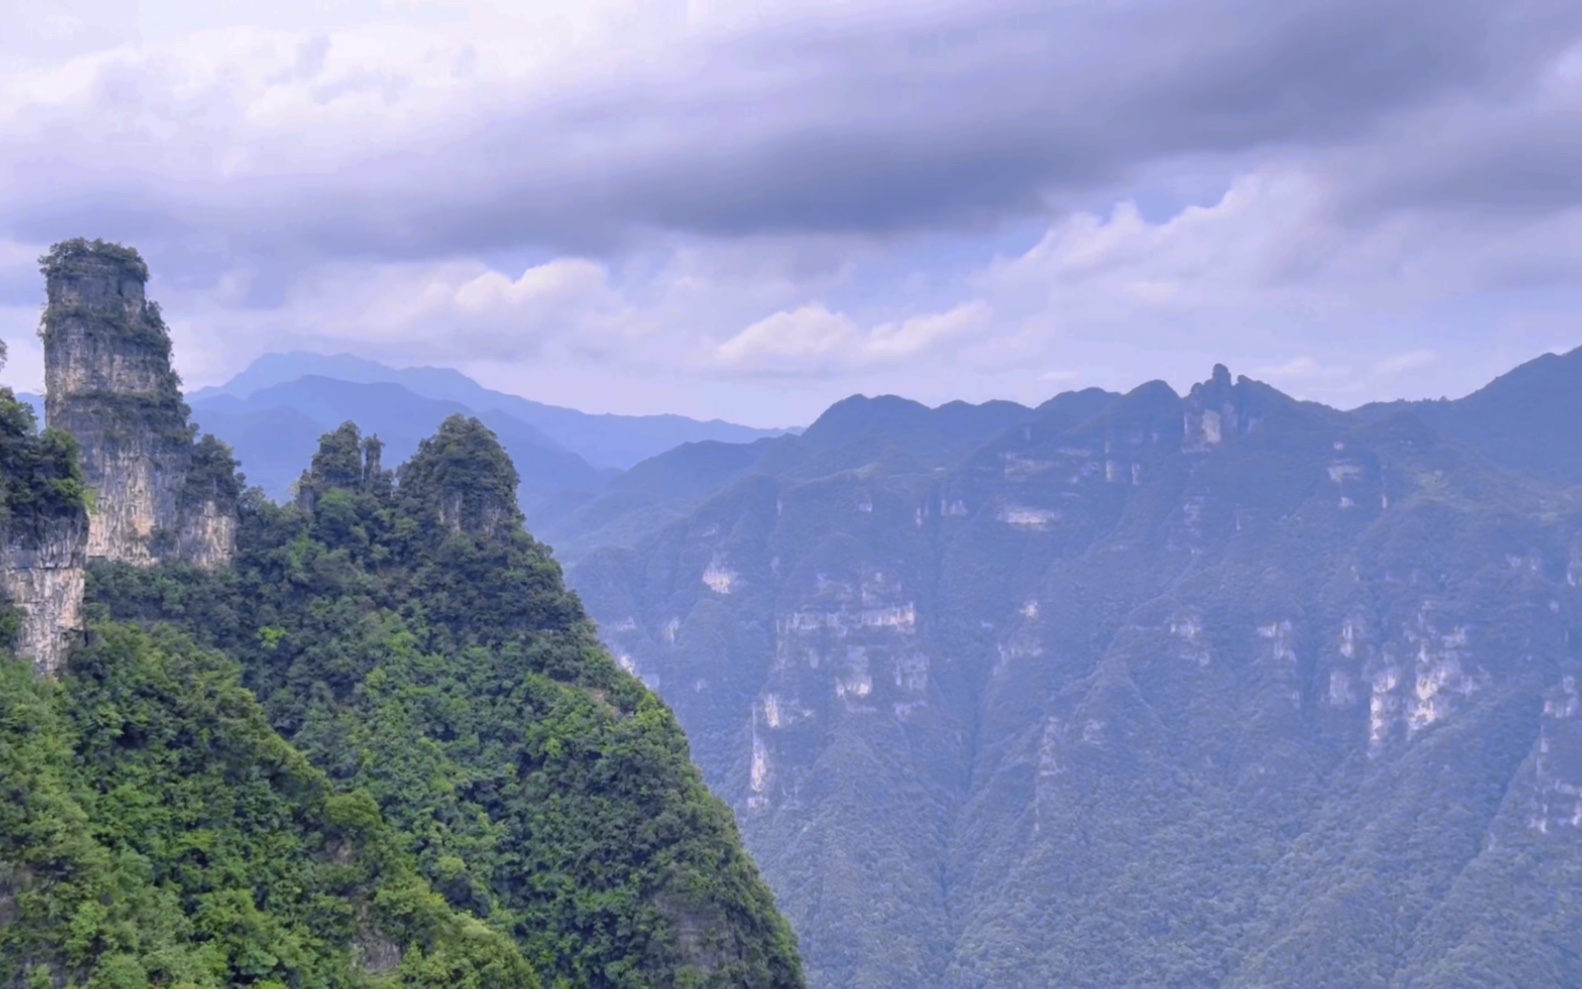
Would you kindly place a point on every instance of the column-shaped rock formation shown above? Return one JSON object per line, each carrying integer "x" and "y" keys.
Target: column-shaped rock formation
{"x": 158, "y": 493}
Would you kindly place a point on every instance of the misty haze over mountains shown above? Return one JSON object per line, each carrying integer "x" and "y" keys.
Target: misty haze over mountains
{"x": 791, "y": 494}
{"x": 1222, "y": 689}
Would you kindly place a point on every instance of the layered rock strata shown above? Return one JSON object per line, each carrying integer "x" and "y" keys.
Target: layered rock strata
{"x": 159, "y": 492}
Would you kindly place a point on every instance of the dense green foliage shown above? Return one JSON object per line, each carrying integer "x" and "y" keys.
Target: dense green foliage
{"x": 211, "y": 475}
{"x": 1216, "y": 691}
{"x": 40, "y": 477}
{"x": 66, "y": 254}
{"x": 415, "y": 644}
{"x": 156, "y": 831}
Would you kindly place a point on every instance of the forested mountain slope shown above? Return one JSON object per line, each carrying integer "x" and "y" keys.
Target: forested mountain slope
{"x": 368, "y": 738}
{"x": 410, "y": 639}
{"x": 1525, "y": 419}
{"x": 1212, "y": 690}
{"x": 156, "y": 831}
{"x": 275, "y": 430}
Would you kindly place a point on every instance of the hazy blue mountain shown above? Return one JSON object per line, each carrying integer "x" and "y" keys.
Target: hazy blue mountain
{"x": 1214, "y": 690}
{"x": 856, "y": 432}
{"x": 34, "y": 402}
{"x": 930, "y": 436}
{"x": 274, "y": 430}
{"x": 603, "y": 440}
{"x": 1529, "y": 419}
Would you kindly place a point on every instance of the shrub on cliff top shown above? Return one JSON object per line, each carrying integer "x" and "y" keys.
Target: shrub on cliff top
{"x": 40, "y": 476}
{"x": 68, "y": 253}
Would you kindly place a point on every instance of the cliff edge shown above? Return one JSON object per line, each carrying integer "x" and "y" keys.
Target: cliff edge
{"x": 160, "y": 492}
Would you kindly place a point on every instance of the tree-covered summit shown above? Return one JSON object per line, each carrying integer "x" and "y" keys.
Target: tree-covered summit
{"x": 79, "y": 252}
{"x": 416, "y": 644}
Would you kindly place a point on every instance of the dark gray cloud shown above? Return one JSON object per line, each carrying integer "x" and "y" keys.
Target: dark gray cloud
{"x": 966, "y": 117}
{"x": 953, "y": 117}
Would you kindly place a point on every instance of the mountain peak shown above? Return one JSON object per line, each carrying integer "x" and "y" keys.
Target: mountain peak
{"x": 110, "y": 384}
{"x": 466, "y": 479}
{"x": 604, "y": 440}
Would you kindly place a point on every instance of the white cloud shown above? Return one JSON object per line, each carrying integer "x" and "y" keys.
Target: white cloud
{"x": 812, "y": 340}
{"x": 629, "y": 184}
{"x": 1261, "y": 237}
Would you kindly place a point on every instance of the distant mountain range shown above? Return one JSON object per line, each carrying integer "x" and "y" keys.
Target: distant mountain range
{"x": 604, "y": 441}
{"x": 1529, "y": 419}
{"x": 1209, "y": 691}
{"x": 273, "y": 413}
{"x": 1220, "y": 690}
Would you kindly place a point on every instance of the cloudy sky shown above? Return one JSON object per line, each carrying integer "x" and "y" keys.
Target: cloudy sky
{"x": 751, "y": 208}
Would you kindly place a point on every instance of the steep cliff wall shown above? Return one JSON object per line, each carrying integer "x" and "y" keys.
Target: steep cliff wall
{"x": 160, "y": 494}
{"x": 43, "y": 538}
{"x": 1183, "y": 694}
{"x": 41, "y": 575}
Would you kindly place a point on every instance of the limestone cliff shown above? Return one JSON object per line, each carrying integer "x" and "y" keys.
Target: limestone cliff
{"x": 160, "y": 494}
{"x": 43, "y": 538}
{"x": 1182, "y": 692}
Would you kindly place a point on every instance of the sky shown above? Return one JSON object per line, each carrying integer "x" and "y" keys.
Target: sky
{"x": 751, "y": 209}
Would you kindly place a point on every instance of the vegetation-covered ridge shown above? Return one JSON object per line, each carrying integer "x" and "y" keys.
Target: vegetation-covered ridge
{"x": 405, "y": 634}
{"x": 1209, "y": 691}
{"x": 79, "y": 251}
{"x": 155, "y": 831}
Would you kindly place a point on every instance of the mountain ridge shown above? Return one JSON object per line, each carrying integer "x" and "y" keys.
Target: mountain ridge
{"x": 604, "y": 439}
{"x": 366, "y": 738}
{"x": 1000, "y": 717}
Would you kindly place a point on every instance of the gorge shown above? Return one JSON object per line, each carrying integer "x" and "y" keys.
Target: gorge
{"x": 1214, "y": 689}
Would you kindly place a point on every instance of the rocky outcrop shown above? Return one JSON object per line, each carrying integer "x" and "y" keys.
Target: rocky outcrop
{"x": 159, "y": 493}
{"x": 43, "y": 538}
{"x": 464, "y": 480}
{"x": 41, "y": 576}
{"x": 1004, "y": 724}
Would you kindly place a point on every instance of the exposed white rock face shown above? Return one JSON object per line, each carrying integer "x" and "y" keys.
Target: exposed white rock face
{"x": 1206, "y": 429}
{"x": 1439, "y": 677}
{"x": 719, "y": 578}
{"x": 1279, "y": 636}
{"x": 121, "y": 523}
{"x": 1036, "y": 519}
{"x": 41, "y": 574}
{"x": 490, "y": 518}
{"x": 208, "y": 536}
{"x": 849, "y": 650}
{"x": 1341, "y": 471}
{"x": 1348, "y": 637}
{"x": 109, "y": 383}
{"x": 1382, "y": 707}
{"x": 1558, "y": 767}
{"x": 1020, "y": 468}
{"x": 1417, "y": 690}
{"x": 1187, "y": 629}
{"x": 758, "y": 774}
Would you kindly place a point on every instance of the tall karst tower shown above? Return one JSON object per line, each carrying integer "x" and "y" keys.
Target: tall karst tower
{"x": 159, "y": 492}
